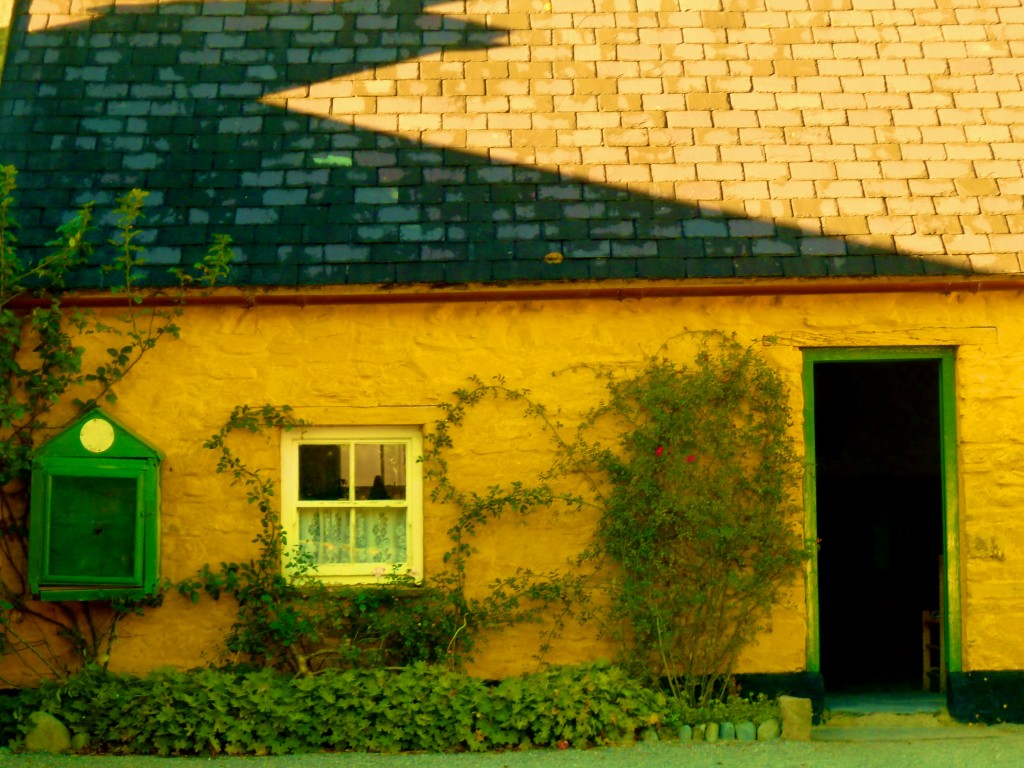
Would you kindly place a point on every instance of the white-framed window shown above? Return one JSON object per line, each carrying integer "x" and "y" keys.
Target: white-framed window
{"x": 352, "y": 500}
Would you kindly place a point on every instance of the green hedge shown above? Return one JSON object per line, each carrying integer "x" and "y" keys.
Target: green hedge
{"x": 417, "y": 708}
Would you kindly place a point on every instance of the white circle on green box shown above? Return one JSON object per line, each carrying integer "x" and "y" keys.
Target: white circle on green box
{"x": 97, "y": 435}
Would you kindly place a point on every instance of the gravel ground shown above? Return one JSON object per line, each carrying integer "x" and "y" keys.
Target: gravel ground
{"x": 970, "y": 748}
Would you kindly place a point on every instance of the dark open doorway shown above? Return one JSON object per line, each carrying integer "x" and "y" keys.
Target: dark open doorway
{"x": 879, "y": 508}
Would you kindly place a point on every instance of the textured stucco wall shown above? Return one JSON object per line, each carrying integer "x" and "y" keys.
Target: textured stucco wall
{"x": 383, "y": 141}
{"x": 394, "y": 363}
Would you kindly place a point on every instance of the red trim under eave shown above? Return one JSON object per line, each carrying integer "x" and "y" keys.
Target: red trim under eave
{"x": 450, "y": 294}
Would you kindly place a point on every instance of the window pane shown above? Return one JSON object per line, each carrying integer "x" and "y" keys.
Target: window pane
{"x": 380, "y": 471}
{"x": 323, "y": 472}
{"x": 92, "y": 527}
{"x": 325, "y": 535}
{"x": 380, "y": 536}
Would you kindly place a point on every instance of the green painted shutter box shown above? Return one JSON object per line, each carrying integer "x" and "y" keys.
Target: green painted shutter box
{"x": 94, "y": 530}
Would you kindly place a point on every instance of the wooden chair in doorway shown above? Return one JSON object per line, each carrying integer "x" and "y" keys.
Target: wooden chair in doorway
{"x": 933, "y": 643}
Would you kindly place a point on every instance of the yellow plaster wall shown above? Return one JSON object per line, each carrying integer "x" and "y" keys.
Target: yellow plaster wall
{"x": 394, "y": 363}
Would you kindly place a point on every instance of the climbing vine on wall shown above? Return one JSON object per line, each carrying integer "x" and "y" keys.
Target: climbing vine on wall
{"x": 689, "y": 469}
{"x": 698, "y": 517}
{"x": 692, "y": 471}
{"x": 44, "y": 369}
{"x": 296, "y": 623}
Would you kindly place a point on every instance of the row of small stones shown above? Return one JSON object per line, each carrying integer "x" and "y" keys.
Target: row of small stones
{"x": 712, "y": 732}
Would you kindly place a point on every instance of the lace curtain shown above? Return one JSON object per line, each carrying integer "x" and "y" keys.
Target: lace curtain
{"x": 354, "y": 535}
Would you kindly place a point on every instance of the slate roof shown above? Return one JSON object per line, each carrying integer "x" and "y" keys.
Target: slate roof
{"x": 190, "y": 101}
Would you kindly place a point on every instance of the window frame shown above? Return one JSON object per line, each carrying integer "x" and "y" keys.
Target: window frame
{"x": 411, "y": 436}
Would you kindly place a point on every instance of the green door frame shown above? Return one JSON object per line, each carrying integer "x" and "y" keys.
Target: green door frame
{"x": 946, "y": 357}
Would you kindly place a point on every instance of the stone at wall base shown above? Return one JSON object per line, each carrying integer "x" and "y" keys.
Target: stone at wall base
{"x": 47, "y": 734}
{"x": 769, "y": 730}
{"x": 796, "y": 718}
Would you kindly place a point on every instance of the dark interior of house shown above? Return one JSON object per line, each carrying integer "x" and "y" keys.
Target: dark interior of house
{"x": 879, "y": 516}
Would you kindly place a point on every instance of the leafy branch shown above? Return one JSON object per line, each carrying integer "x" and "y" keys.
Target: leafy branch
{"x": 692, "y": 469}
{"x": 44, "y": 364}
{"x": 294, "y": 622}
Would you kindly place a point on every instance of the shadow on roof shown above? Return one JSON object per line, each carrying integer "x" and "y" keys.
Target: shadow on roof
{"x": 167, "y": 98}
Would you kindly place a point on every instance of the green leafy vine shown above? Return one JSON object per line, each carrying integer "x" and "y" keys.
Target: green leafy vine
{"x": 692, "y": 469}
{"x": 698, "y": 521}
{"x": 295, "y": 622}
{"x": 43, "y": 365}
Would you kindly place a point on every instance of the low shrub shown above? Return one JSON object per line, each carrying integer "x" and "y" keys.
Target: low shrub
{"x": 419, "y": 708}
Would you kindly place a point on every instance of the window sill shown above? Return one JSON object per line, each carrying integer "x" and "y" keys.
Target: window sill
{"x": 404, "y": 591}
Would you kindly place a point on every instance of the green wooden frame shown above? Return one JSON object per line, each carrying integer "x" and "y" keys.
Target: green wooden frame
{"x": 51, "y": 573}
{"x": 946, "y": 357}
{"x": 74, "y": 457}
